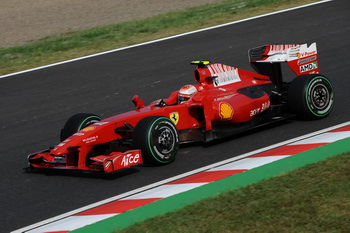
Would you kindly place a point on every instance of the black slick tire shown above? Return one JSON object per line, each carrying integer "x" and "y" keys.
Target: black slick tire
{"x": 78, "y": 122}
{"x": 158, "y": 139}
{"x": 311, "y": 96}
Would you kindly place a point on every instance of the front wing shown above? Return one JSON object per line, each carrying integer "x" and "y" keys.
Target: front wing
{"x": 102, "y": 163}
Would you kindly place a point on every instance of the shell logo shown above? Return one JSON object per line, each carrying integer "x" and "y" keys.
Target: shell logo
{"x": 89, "y": 128}
{"x": 226, "y": 111}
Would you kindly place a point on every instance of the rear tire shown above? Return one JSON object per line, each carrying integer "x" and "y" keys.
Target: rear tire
{"x": 311, "y": 96}
{"x": 78, "y": 122}
{"x": 158, "y": 139}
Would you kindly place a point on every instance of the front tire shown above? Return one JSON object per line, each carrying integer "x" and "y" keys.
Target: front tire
{"x": 158, "y": 139}
{"x": 311, "y": 96}
{"x": 78, "y": 122}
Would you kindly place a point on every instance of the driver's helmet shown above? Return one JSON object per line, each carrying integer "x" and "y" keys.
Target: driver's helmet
{"x": 185, "y": 93}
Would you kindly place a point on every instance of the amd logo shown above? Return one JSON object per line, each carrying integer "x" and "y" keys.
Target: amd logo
{"x": 307, "y": 67}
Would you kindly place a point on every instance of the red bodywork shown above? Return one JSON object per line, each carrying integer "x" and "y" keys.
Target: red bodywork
{"x": 217, "y": 102}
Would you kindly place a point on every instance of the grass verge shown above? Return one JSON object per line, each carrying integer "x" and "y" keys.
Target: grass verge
{"x": 76, "y": 44}
{"x": 314, "y": 198}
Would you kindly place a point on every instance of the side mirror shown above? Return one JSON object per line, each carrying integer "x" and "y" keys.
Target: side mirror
{"x": 138, "y": 102}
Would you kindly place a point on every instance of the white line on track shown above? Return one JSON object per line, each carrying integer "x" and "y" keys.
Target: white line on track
{"x": 157, "y": 184}
{"x": 163, "y": 39}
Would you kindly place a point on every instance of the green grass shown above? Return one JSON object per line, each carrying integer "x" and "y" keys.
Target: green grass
{"x": 314, "y": 198}
{"x": 76, "y": 44}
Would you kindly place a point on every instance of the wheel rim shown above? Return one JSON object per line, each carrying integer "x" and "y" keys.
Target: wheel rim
{"x": 164, "y": 142}
{"x": 320, "y": 96}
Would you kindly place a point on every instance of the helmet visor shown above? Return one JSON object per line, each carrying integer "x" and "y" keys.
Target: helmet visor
{"x": 183, "y": 98}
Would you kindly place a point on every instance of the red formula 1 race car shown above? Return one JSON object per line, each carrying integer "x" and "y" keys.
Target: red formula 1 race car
{"x": 225, "y": 101}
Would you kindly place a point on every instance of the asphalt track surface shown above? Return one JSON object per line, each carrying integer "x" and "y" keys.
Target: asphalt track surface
{"x": 35, "y": 105}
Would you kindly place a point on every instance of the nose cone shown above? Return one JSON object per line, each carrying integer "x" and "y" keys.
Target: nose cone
{"x": 68, "y": 145}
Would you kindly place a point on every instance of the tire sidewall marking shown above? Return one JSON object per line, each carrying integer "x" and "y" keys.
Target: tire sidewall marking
{"x": 154, "y": 151}
{"x": 316, "y": 81}
{"x": 89, "y": 121}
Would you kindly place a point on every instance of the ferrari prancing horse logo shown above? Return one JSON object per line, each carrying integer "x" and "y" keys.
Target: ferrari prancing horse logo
{"x": 174, "y": 116}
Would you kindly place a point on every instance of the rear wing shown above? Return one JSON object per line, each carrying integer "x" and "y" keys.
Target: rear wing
{"x": 301, "y": 59}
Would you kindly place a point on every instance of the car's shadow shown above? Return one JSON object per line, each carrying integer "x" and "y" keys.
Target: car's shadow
{"x": 84, "y": 174}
